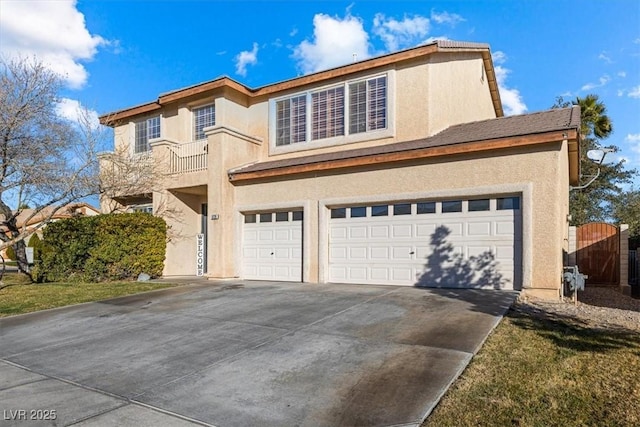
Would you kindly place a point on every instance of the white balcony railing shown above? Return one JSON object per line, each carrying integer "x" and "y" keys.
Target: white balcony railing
{"x": 189, "y": 157}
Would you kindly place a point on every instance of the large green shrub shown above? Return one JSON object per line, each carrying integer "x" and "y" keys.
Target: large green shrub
{"x": 104, "y": 247}
{"x": 11, "y": 253}
{"x": 36, "y": 244}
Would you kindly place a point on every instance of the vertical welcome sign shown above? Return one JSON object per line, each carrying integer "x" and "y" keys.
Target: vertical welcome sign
{"x": 200, "y": 255}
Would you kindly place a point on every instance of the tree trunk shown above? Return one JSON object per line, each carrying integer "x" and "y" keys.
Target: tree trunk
{"x": 21, "y": 257}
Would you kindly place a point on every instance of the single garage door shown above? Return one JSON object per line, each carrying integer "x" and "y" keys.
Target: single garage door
{"x": 272, "y": 246}
{"x": 470, "y": 243}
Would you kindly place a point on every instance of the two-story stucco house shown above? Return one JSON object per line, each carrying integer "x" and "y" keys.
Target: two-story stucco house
{"x": 397, "y": 170}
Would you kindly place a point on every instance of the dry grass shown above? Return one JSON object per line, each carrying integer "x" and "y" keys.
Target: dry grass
{"x": 540, "y": 369}
{"x": 23, "y": 297}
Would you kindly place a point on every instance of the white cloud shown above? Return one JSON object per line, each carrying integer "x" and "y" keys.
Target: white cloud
{"x": 446, "y": 18}
{"x": 601, "y": 82}
{"x": 434, "y": 38}
{"x": 634, "y": 92}
{"x": 498, "y": 57}
{"x": 604, "y": 56}
{"x": 400, "y": 34}
{"x": 335, "y": 42}
{"x": 622, "y": 74}
{"x": 512, "y": 101}
{"x": 245, "y": 58}
{"x": 632, "y": 137}
{"x": 72, "y": 110}
{"x": 53, "y": 31}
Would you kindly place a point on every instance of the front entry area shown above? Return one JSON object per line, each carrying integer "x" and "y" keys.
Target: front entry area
{"x": 272, "y": 246}
{"x": 469, "y": 243}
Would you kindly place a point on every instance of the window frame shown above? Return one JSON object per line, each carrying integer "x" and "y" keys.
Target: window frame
{"x": 308, "y": 143}
{"x": 147, "y": 126}
{"x": 194, "y": 124}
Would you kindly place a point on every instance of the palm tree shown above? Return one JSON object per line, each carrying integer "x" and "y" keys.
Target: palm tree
{"x": 595, "y": 203}
{"x": 593, "y": 113}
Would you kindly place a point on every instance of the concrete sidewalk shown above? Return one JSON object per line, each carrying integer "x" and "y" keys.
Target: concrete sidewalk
{"x": 244, "y": 353}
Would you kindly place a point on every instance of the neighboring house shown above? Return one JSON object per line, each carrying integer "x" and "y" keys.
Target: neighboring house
{"x": 395, "y": 170}
{"x": 32, "y": 219}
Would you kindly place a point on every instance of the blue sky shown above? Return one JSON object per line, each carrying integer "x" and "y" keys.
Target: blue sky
{"x": 116, "y": 54}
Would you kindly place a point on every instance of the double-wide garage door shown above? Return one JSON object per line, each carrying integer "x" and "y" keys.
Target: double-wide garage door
{"x": 450, "y": 243}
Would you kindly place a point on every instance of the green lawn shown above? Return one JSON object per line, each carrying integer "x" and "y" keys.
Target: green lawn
{"x": 547, "y": 371}
{"x": 23, "y": 297}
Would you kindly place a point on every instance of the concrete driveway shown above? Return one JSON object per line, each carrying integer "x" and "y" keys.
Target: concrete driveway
{"x": 244, "y": 353}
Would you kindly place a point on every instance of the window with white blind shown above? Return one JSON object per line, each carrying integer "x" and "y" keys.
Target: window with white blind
{"x": 318, "y": 115}
{"x": 327, "y": 109}
{"x": 203, "y": 117}
{"x": 144, "y": 131}
{"x": 291, "y": 123}
{"x": 368, "y": 105}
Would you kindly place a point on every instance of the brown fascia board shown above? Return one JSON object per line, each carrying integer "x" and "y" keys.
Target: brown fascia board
{"x": 421, "y": 153}
{"x": 113, "y": 119}
{"x": 298, "y": 82}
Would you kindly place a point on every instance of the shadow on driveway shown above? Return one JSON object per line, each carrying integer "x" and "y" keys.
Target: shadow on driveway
{"x": 248, "y": 353}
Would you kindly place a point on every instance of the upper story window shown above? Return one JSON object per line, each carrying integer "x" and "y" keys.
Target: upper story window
{"x": 327, "y": 111}
{"x": 291, "y": 116}
{"x": 368, "y": 105}
{"x": 203, "y": 117}
{"x": 144, "y": 131}
{"x": 323, "y": 114}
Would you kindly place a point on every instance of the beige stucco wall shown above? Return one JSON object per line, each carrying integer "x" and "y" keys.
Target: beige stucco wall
{"x": 182, "y": 214}
{"x": 537, "y": 176}
{"x": 452, "y": 102}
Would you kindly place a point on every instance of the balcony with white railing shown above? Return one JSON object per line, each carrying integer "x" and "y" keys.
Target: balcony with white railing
{"x": 188, "y": 157}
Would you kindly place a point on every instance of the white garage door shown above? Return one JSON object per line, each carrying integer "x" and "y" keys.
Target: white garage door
{"x": 470, "y": 243}
{"x": 272, "y": 246}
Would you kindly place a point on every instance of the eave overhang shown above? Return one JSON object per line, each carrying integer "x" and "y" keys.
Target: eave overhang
{"x": 350, "y": 159}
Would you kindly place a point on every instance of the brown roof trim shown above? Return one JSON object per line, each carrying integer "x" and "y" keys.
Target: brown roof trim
{"x": 204, "y": 87}
{"x": 345, "y": 70}
{"x": 112, "y": 119}
{"x": 421, "y": 153}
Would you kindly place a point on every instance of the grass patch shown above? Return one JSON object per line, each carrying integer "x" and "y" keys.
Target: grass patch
{"x": 23, "y": 297}
{"x": 547, "y": 371}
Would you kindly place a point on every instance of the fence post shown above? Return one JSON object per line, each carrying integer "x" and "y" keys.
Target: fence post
{"x": 624, "y": 259}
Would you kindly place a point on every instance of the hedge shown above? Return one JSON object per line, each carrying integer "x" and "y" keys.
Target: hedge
{"x": 103, "y": 247}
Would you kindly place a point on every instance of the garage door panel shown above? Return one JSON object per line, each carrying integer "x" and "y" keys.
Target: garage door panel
{"x": 402, "y": 231}
{"x": 504, "y": 253}
{"x": 479, "y": 228}
{"x": 338, "y": 274}
{"x": 505, "y": 228}
{"x": 425, "y": 230}
{"x": 250, "y": 235}
{"x": 358, "y": 253}
{"x": 265, "y": 235}
{"x": 337, "y": 253}
{"x": 359, "y": 232}
{"x": 250, "y": 253}
{"x": 296, "y": 253}
{"x": 272, "y": 250}
{"x": 379, "y": 253}
{"x": 339, "y": 233}
{"x": 446, "y": 249}
{"x": 357, "y": 273}
{"x": 379, "y": 231}
{"x": 474, "y": 251}
{"x": 454, "y": 228}
{"x": 402, "y": 252}
{"x": 282, "y": 253}
{"x": 402, "y": 274}
{"x": 379, "y": 274}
